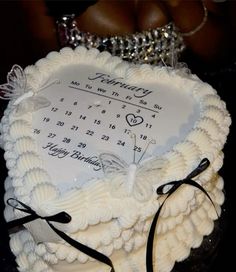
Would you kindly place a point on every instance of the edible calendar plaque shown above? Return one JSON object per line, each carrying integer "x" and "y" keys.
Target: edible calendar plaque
{"x": 93, "y": 112}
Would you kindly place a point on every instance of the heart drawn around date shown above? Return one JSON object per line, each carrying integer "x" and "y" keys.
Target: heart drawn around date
{"x": 133, "y": 120}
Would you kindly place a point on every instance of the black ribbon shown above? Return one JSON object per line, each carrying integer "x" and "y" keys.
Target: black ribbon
{"x": 61, "y": 217}
{"x": 64, "y": 218}
{"x": 174, "y": 186}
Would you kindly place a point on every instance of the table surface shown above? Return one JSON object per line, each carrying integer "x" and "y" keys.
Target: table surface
{"x": 222, "y": 80}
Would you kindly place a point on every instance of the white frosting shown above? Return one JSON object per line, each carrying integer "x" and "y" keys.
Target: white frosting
{"x": 100, "y": 219}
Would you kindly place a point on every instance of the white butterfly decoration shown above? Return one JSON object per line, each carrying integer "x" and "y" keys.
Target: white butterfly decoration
{"x": 136, "y": 179}
{"x": 180, "y": 68}
{"x": 24, "y": 97}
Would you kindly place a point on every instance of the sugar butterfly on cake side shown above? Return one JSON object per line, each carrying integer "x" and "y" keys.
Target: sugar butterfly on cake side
{"x": 23, "y": 96}
{"x": 131, "y": 178}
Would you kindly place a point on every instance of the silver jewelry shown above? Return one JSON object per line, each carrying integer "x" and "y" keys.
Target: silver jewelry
{"x": 154, "y": 46}
{"x": 200, "y": 26}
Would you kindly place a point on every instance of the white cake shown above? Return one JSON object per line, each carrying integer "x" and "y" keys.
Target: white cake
{"x": 93, "y": 136}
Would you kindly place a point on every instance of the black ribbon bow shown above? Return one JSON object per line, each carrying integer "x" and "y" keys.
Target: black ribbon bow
{"x": 61, "y": 217}
{"x": 174, "y": 185}
{"x": 64, "y": 218}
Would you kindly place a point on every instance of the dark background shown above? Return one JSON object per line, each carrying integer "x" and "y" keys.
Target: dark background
{"x": 17, "y": 48}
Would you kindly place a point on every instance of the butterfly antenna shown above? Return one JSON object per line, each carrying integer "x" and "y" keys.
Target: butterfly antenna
{"x": 163, "y": 62}
{"x": 152, "y": 141}
{"x": 133, "y": 136}
{"x": 174, "y": 57}
{"x": 171, "y": 60}
{"x": 49, "y": 83}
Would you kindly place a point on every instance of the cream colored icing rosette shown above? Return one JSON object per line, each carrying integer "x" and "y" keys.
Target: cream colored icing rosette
{"x": 101, "y": 220}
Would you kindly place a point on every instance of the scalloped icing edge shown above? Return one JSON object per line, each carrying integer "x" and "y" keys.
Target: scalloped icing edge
{"x": 37, "y": 189}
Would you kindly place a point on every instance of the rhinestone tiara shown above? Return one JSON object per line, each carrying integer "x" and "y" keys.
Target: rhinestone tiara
{"x": 154, "y": 46}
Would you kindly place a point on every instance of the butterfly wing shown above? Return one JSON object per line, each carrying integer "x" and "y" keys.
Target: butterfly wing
{"x": 147, "y": 176}
{"x": 17, "y": 78}
{"x": 115, "y": 169}
{"x": 16, "y": 83}
{"x": 32, "y": 104}
{"x": 112, "y": 164}
{"x": 6, "y": 91}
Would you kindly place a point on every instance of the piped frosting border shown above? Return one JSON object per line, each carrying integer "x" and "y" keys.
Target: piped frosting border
{"x": 30, "y": 183}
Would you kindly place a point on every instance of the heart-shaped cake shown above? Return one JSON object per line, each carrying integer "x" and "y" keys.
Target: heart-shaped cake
{"x": 112, "y": 166}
